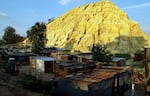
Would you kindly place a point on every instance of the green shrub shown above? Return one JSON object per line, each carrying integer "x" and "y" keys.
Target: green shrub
{"x": 31, "y": 83}
{"x": 101, "y": 53}
{"x": 127, "y": 56}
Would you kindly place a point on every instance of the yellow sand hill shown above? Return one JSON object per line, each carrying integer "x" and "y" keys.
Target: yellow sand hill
{"x": 101, "y": 22}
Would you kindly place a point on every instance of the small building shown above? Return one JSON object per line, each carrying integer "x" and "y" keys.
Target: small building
{"x": 20, "y": 57}
{"x": 32, "y": 61}
{"x": 45, "y": 64}
{"x": 64, "y": 57}
{"x": 99, "y": 82}
{"x": 74, "y": 67}
{"x": 118, "y": 61}
{"x": 47, "y": 51}
{"x": 139, "y": 56}
{"x": 83, "y": 57}
{"x": 147, "y": 54}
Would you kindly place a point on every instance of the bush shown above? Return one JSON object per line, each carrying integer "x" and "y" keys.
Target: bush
{"x": 31, "y": 83}
{"x": 101, "y": 53}
{"x": 127, "y": 56}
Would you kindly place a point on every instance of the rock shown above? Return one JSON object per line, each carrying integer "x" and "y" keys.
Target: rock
{"x": 101, "y": 22}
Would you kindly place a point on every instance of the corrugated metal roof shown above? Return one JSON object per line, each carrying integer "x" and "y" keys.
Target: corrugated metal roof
{"x": 98, "y": 75}
{"x": 44, "y": 58}
{"x": 116, "y": 59}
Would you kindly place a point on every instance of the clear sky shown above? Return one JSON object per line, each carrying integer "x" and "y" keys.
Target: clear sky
{"x": 22, "y": 14}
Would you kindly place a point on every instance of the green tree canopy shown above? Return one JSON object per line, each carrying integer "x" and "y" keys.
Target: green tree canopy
{"x": 100, "y": 53}
{"x": 51, "y": 20}
{"x": 2, "y": 42}
{"x": 37, "y": 37}
{"x": 10, "y": 36}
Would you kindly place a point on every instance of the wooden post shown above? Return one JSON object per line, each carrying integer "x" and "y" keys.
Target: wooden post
{"x": 147, "y": 63}
{"x": 147, "y": 70}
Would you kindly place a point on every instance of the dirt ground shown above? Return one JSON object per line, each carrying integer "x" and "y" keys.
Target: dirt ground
{"x": 6, "y": 91}
{"x": 9, "y": 85}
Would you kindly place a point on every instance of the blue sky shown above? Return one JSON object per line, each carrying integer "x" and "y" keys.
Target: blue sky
{"x": 22, "y": 14}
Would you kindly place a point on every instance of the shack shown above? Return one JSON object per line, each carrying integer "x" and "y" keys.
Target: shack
{"x": 118, "y": 61}
{"x": 60, "y": 53}
{"x": 83, "y": 57}
{"x": 65, "y": 57}
{"x": 47, "y": 51}
{"x": 32, "y": 61}
{"x": 20, "y": 57}
{"x": 45, "y": 64}
{"x": 69, "y": 67}
{"x": 99, "y": 82}
{"x": 147, "y": 54}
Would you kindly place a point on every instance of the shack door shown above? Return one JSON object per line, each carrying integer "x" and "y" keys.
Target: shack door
{"x": 48, "y": 66}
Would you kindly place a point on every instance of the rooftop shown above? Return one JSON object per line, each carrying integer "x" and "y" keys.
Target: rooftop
{"x": 97, "y": 75}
